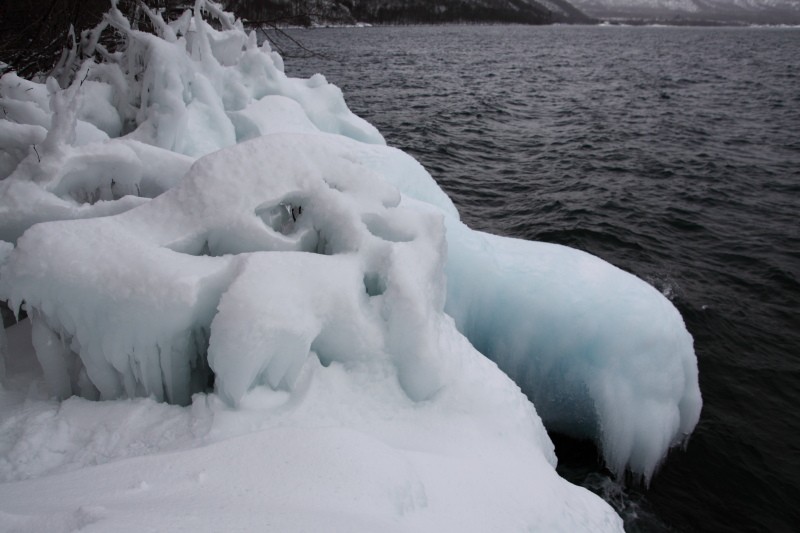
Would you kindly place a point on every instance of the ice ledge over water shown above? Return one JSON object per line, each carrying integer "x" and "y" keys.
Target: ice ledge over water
{"x": 300, "y": 253}
{"x": 602, "y": 354}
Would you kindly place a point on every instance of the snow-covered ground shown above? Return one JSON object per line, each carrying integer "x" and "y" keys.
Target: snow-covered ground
{"x": 280, "y": 316}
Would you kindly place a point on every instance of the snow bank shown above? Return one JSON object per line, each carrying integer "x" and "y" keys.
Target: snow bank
{"x": 346, "y": 451}
{"x": 191, "y": 225}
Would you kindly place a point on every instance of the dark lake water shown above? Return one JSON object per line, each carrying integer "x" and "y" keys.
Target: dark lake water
{"x": 673, "y": 153}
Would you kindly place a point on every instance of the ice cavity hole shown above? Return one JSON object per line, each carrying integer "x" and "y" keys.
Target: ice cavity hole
{"x": 374, "y": 284}
{"x": 289, "y": 218}
{"x": 85, "y": 193}
{"x": 88, "y": 181}
{"x": 12, "y": 316}
{"x": 282, "y": 217}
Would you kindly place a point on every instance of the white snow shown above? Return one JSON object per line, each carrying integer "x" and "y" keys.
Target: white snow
{"x": 347, "y": 451}
{"x": 183, "y": 213}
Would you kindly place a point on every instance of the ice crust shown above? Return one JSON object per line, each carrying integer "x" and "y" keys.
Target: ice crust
{"x": 182, "y": 213}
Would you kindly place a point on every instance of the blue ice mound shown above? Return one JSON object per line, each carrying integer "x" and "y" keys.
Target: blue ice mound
{"x": 602, "y": 354}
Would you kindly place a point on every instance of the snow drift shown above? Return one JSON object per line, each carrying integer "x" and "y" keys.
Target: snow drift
{"x": 182, "y": 215}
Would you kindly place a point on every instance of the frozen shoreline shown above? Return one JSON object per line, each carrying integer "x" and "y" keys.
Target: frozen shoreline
{"x": 306, "y": 265}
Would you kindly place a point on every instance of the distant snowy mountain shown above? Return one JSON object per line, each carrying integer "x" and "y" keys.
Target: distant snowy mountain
{"x": 757, "y": 11}
{"x": 409, "y": 11}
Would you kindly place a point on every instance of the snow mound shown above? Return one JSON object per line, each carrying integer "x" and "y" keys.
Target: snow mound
{"x": 144, "y": 302}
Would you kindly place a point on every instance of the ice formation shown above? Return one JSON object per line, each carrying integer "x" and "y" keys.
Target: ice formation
{"x": 601, "y": 353}
{"x": 183, "y": 213}
{"x": 128, "y": 127}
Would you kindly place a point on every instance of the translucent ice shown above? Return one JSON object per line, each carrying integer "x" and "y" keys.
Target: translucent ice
{"x": 601, "y": 353}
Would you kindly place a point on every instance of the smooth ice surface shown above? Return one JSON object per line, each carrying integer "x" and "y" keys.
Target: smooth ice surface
{"x": 191, "y": 225}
